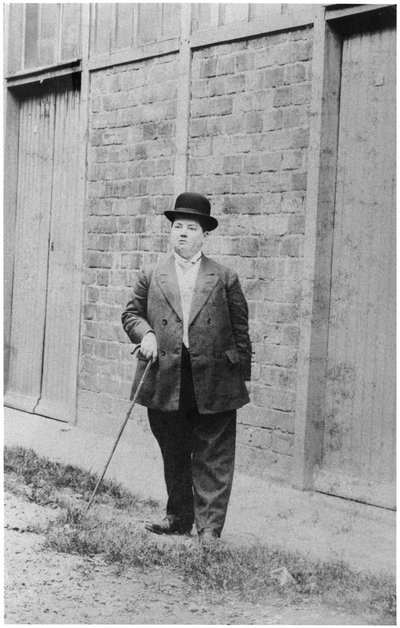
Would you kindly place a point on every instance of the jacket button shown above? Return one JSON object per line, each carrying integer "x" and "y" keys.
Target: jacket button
{"x": 162, "y": 352}
{"x": 209, "y": 321}
{"x": 164, "y": 321}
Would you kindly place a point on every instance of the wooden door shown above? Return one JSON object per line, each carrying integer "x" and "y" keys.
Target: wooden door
{"x": 359, "y": 431}
{"x": 46, "y": 285}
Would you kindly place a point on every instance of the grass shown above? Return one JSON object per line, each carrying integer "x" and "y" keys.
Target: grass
{"x": 45, "y": 479}
{"x": 107, "y": 530}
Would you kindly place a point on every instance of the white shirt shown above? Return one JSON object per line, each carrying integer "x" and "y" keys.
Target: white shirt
{"x": 186, "y": 271}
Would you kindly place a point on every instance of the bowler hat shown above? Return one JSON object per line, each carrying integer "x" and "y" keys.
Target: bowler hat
{"x": 193, "y": 204}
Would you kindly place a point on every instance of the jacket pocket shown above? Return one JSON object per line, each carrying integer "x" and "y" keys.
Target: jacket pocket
{"x": 233, "y": 356}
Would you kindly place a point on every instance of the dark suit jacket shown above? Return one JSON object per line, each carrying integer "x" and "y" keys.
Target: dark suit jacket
{"x": 219, "y": 341}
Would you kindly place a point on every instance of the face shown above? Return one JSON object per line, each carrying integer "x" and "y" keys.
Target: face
{"x": 187, "y": 236}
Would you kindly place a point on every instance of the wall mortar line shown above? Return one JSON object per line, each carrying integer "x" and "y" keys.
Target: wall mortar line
{"x": 183, "y": 102}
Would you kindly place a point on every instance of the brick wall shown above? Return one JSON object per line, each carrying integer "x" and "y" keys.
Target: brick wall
{"x": 248, "y": 139}
{"x": 131, "y": 156}
{"x": 248, "y": 151}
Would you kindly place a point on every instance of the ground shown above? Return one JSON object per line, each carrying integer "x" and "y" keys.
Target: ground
{"x": 47, "y": 587}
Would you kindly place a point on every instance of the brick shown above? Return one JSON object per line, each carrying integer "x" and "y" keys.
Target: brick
{"x": 230, "y": 246}
{"x": 276, "y": 355}
{"x": 103, "y": 277}
{"x": 89, "y": 276}
{"x": 269, "y": 247}
{"x": 293, "y": 246}
{"x": 198, "y": 166}
{"x": 283, "y": 399}
{"x": 295, "y": 73}
{"x": 235, "y": 84}
{"x": 287, "y": 379}
{"x": 269, "y": 375}
{"x": 263, "y": 58}
{"x": 284, "y": 53}
{"x": 244, "y": 61}
{"x": 290, "y": 269}
{"x": 232, "y": 164}
{"x": 225, "y": 65}
{"x": 208, "y": 68}
{"x": 299, "y": 181}
{"x": 203, "y": 147}
{"x": 233, "y": 125}
{"x": 292, "y": 160}
{"x": 95, "y": 259}
{"x": 215, "y": 126}
{"x": 296, "y": 224}
{"x": 248, "y": 246}
{"x": 301, "y": 138}
{"x": 99, "y": 242}
{"x": 90, "y": 329}
{"x": 273, "y": 77}
{"x": 220, "y": 145}
{"x": 275, "y": 140}
{"x": 284, "y": 421}
{"x": 293, "y": 202}
{"x": 303, "y": 50}
{"x": 261, "y": 438}
{"x": 283, "y": 96}
{"x": 294, "y": 116}
{"x": 266, "y": 268}
{"x": 89, "y": 311}
{"x": 92, "y": 294}
{"x": 282, "y": 291}
{"x": 253, "y": 122}
{"x": 271, "y": 203}
{"x": 287, "y": 313}
{"x": 282, "y": 443}
{"x": 261, "y": 395}
{"x": 291, "y": 335}
{"x": 301, "y": 93}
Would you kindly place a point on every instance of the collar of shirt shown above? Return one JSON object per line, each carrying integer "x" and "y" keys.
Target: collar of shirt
{"x": 187, "y": 263}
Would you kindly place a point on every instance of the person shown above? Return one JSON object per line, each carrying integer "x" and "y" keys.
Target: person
{"x": 190, "y": 317}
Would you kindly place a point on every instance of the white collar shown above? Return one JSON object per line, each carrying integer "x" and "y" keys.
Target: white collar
{"x": 193, "y": 260}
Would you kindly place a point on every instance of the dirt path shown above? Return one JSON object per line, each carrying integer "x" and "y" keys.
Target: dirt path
{"x": 43, "y": 587}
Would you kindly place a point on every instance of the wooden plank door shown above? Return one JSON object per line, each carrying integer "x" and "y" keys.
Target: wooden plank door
{"x": 35, "y": 168}
{"x": 47, "y": 266}
{"x": 359, "y": 431}
{"x": 61, "y": 346}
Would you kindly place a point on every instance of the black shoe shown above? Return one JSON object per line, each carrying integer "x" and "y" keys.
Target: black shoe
{"x": 169, "y": 527}
{"x": 208, "y": 538}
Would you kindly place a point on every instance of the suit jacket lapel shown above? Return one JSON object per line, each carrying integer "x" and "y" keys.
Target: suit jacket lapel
{"x": 206, "y": 281}
{"x": 168, "y": 282}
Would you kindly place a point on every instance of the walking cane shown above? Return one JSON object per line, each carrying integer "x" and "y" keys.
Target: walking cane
{"x": 120, "y": 431}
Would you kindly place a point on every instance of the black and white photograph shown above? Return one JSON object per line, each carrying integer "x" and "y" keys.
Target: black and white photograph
{"x": 199, "y": 265}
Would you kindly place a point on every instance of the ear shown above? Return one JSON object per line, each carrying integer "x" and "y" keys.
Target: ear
{"x": 206, "y": 234}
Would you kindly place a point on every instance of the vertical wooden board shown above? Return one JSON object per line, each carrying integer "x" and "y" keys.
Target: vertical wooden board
{"x": 232, "y": 13}
{"x": 171, "y": 15}
{"x": 149, "y": 22}
{"x": 70, "y": 31}
{"x": 103, "y": 25}
{"x": 262, "y": 10}
{"x": 360, "y": 419}
{"x": 31, "y": 35}
{"x": 124, "y": 27}
{"x": 294, "y": 6}
{"x": 63, "y": 293}
{"x": 31, "y": 250}
{"x": 15, "y": 37}
{"x": 382, "y": 97}
{"x": 49, "y": 26}
{"x": 201, "y": 16}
